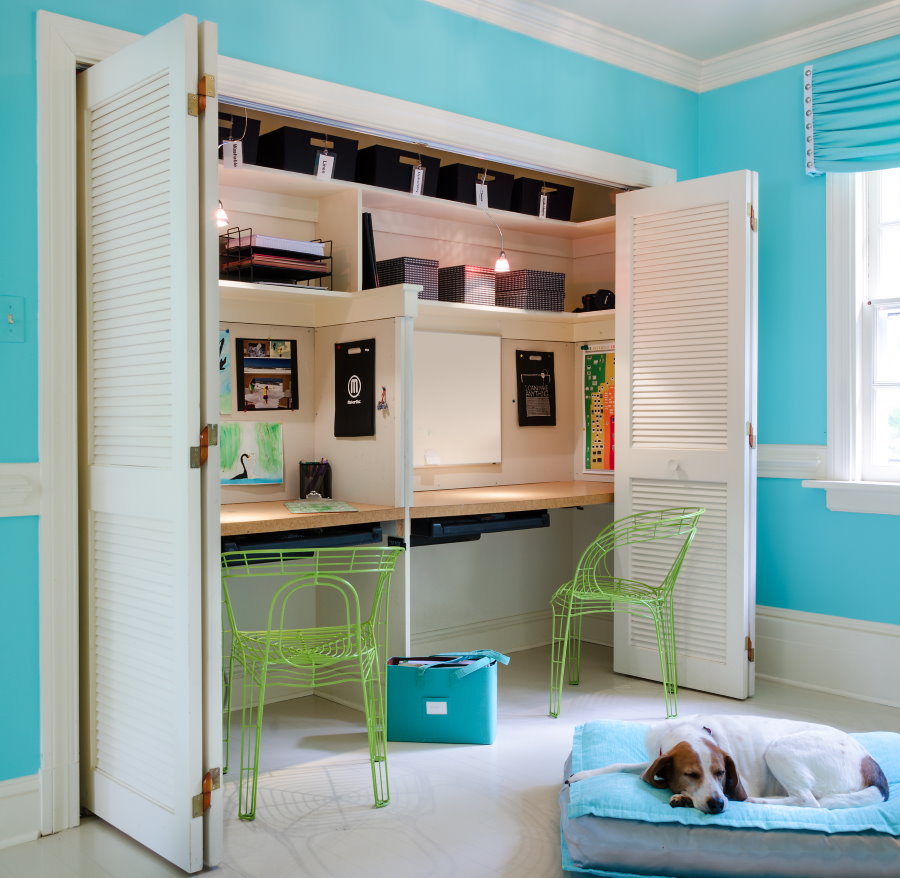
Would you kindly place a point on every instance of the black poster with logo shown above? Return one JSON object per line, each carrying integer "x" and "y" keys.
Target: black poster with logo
{"x": 354, "y": 388}
{"x": 536, "y": 388}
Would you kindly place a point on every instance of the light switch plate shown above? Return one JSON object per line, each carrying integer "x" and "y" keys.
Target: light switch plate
{"x": 12, "y": 318}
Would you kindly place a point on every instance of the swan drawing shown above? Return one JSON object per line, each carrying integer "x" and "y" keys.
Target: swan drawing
{"x": 242, "y": 475}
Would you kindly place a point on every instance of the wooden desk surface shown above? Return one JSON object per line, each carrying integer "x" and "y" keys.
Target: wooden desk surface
{"x": 272, "y": 515}
{"x": 510, "y": 498}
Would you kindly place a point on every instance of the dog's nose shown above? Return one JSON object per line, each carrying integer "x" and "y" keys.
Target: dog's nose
{"x": 715, "y": 805}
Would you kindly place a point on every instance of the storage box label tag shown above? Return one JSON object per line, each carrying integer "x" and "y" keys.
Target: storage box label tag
{"x": 418, "y": 180}
{"x": 436, "y": 708}
{"x": 233, "y": 154}
{"x": 325, "y": 165}
{"x": 481, "y": 195}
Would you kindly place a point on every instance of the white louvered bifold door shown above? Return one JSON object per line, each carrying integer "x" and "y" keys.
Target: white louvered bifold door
{"x": 140, "y": 379}
{"x": 685, "y": 395}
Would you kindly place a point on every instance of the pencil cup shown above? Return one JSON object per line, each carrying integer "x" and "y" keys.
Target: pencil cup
{"x": 315, "y": 477}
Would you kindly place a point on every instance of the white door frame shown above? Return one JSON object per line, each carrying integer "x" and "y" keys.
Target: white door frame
{"x": 63, "y": 43}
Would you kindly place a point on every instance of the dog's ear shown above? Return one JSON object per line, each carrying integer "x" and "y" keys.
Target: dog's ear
{"x": 733, "y": 788}
{"x": 659, "y": 773}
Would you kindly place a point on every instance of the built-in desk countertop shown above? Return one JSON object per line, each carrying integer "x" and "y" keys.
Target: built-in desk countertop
{"x": 509, "y": 498}
{"x": 269, "y": 516}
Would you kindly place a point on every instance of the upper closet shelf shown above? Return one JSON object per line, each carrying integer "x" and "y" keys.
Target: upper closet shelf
{"x": 312, "y": 306}
{"x": 375, "y": 198}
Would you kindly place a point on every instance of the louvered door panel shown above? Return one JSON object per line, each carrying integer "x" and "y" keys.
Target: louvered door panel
{"x": 700, "y": 598}
{"x": 140, "y": 383}
{"x": 686, "y": 383}
{"x": 667, "y": 362}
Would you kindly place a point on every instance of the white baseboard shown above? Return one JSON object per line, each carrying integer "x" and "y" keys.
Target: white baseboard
{"x": 20, "y": 810}
{"x": 830, "y": 654}
{"x": 508, "y": 634}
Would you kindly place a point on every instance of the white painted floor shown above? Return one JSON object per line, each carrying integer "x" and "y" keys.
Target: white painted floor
{"x": 456, "y": 811}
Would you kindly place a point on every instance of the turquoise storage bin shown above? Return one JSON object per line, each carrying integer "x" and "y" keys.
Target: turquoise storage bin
{"x": 449, "y": 698}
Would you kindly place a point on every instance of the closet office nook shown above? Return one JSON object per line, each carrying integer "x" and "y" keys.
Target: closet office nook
{"x": 492, "y": 508}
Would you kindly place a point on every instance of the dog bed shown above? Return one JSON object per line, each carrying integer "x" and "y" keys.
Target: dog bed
{"x": 616, "y": 826}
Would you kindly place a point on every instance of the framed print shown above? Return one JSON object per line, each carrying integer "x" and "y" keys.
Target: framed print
{"x": 266, "y": 374}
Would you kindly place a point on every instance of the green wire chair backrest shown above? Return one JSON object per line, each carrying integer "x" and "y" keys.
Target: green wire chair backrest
{"x": 330, "y": 567}
{"x": 595, "y": 571}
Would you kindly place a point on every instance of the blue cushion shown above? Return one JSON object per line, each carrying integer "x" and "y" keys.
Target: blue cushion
{"x": 625, "y": 796}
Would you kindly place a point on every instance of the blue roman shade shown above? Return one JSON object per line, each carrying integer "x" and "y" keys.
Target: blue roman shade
{"x": 851, "y": 110}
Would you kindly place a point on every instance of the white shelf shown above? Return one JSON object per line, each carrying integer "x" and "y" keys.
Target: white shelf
{"x": 374, "y": 197}
{"x": 313, "y": 306}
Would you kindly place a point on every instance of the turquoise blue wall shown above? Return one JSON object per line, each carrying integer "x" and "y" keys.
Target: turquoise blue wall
{"x": 404, "y": 48}
{"x": 808, "y": 558}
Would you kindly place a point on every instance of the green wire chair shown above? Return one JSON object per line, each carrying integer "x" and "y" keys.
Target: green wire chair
{"x": 595, "y": 588}
{"x": 352, "y": 650}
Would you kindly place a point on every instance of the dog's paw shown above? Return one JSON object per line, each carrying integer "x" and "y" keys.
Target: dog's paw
{"x": 681, "y": 801}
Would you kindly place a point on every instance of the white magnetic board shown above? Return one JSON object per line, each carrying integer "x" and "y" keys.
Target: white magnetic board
{"x": 456, "y": 399}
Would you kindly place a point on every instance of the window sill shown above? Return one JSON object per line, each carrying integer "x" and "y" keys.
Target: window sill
{"x": 882, "y": 498}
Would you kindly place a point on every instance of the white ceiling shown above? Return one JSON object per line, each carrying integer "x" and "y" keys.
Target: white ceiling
{"x": 705, "y": 29}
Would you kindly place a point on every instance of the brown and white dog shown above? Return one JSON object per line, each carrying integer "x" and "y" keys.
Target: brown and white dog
{"x": 707, "y": 760}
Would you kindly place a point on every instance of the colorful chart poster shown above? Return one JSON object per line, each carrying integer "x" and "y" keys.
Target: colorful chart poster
{"x": 599, "y": 409}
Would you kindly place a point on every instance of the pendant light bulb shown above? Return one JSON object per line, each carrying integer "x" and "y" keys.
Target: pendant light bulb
{"x": 502, "y": 263}
{"x": 221, "y": 216}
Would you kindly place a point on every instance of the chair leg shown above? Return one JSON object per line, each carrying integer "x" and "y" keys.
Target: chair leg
{"x": 562, "y": 621}
{"x": 254, "y": 684}
{"x": 376, "y": 731}
{"x": 664, "y": 619}
{"x": 227, "y": 677}
{"x": 574, "y": 664}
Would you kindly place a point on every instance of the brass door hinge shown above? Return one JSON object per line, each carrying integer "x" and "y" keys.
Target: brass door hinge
{"x": 751, "y": 652}
{"x": 209, "y": 435}
{"x": 206, "y": 88}
{"x": 200, "y": 803}
{"x": 751, "y": 212}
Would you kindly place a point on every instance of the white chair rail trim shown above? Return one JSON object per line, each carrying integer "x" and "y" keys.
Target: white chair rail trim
{"x": 791, "y": 461}
{"x": 20, "y": 489}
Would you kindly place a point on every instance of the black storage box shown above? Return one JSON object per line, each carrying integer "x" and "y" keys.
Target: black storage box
{"x": 234, "y": 126}
{"x": 466, "y": 283}
{"x": 410, "y": 270}
{"x": 392, "y": 168}
{"x": 531, "y": 290}
{"x": 457, "y": 183}
{"x": 526, "y": 198}
{"x": 296, "y": 149}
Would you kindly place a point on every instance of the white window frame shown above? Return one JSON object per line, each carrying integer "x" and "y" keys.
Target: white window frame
{"x": 846, "y": 266}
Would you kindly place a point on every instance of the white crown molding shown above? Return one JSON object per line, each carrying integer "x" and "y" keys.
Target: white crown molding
{"x": 802, "y": 46}
{"x": 568, "y": 31}
{"x": 586, "y": 37}
{"x": 791, "y": 461}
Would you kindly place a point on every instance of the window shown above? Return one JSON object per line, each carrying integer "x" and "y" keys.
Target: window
{"x": 863, "y": 252}
{"x": 878, "y": 296}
